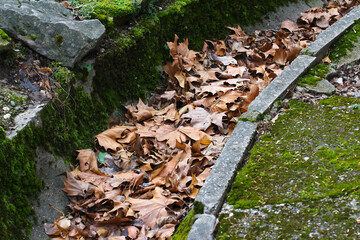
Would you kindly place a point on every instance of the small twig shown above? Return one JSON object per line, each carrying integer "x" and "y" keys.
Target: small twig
{"x": 57, "y": 209}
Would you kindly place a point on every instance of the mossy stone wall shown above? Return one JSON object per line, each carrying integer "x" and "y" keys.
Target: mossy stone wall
{"x": 129, "y": 68}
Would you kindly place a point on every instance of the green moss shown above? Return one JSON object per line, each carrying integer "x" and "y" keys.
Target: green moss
{"x": 184, "y": 228}
{"x": 4, "y": 35}
{"x": 19, "y": 182}
{"x": 283, "y": 153}
{"x": 198, "y": 207}
{"x": 346, "y": 42}
{"x": 59, "y": 39}
{"x": 309, "y": 156}
{"x": 106, "y": 10}
{"x": 33, "y": 37}
{"x": 314, "y": 75}
{"x": 293, "y": 221}
{"x": 71, "y": 122}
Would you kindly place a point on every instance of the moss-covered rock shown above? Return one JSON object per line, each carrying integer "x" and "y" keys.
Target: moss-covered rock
{"x": 314, "y": 75}
{"x": 68, "y": 123}
{"x": 299, "y": 173}
{"x": 346, "y": 43}
{"x": 106, "y": 11}
{"x": 4, "y": 35}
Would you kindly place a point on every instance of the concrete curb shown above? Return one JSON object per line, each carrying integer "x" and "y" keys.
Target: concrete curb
{"x": 212, "y": 195}
{"x": 321, "y": 45}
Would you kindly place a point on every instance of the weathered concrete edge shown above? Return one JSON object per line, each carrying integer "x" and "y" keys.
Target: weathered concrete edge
{"x": 317, "y": 50}
{"x": 213, "y": 193}
{"x": 199, "y": 230}
{"x": 321, "y": 45}
{"x": 280, "y": 86}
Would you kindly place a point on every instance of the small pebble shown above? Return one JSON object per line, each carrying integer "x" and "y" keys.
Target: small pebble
{"x": 7, "y": 116}
{"x": 340, "y": 81}
{"x": 6, "y": 109}
{"x": 357, "y": 94}
{"x": 12, "y": 103}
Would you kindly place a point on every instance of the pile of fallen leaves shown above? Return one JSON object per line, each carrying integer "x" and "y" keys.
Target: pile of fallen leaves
{"x": 145, "y": 172}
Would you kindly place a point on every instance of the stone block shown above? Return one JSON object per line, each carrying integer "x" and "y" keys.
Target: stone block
{"x": 49, "y": 29}
{"x": 281, "y": 85}
{"x": 203, "y": 227}
{"x": 321, "y": 45}
{"x": 213, "y": 193}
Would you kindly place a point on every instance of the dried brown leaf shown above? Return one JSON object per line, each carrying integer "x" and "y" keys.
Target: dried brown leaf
{"x": 200, "y": 118}
{"x": 75, "y": 187}
{"x": 87, "y": 160}
{"x": 150, "y": 211}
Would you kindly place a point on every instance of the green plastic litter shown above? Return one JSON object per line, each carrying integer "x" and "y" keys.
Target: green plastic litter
{"x": 101, "y": 157}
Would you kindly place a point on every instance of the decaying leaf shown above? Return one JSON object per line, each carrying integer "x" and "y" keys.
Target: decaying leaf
{"x": 151, "y": 210}
{"x": 200, "y": 118}
{"x": 75, "y": 187}
{"x": 87, "y": 160}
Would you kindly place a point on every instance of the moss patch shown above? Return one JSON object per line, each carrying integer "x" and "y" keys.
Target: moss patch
{"x": 19, "y": 182}
{"x": 311, "y": 154}
{"x": 72, "y": 119}
{"x": 346, "y": 42}
{"x": 107, "y": 11}
{"x": 33, "y": 37}
{"x": 59, "y": 39}
{"x": 314, "y": 75}
{"x": 300, "y": 220}
{"x": 4, "y": 35}
{"x": 184, "y": 228}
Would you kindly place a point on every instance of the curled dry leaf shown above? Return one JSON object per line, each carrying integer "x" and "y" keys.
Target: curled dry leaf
{"x": 200, "y": 118}
{"x": 289, "y": 25}
{"x": 87, "y": 160}
{"x": 165, "y": 232}
{"x": 75, "y": 187}
{"x": 113, "y": 138}
{"x": 150, "y": 211}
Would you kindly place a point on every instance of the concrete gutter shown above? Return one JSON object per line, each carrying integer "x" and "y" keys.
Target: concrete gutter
{"x": 212, "y": 195}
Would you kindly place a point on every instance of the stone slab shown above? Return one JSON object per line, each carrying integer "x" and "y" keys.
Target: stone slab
{"x": 203, "y": 227}
{"x": 49, "y": 29}
{"x": 281, "y": 85}
{"x": 213, "y": 193}
{"x": 320, "y": 47}
{"x": 47, "y": 168}
{"x": 322, "y": 87}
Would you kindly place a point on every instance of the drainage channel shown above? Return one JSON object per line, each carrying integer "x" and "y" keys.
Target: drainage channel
{"x": 212, "y": 194}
